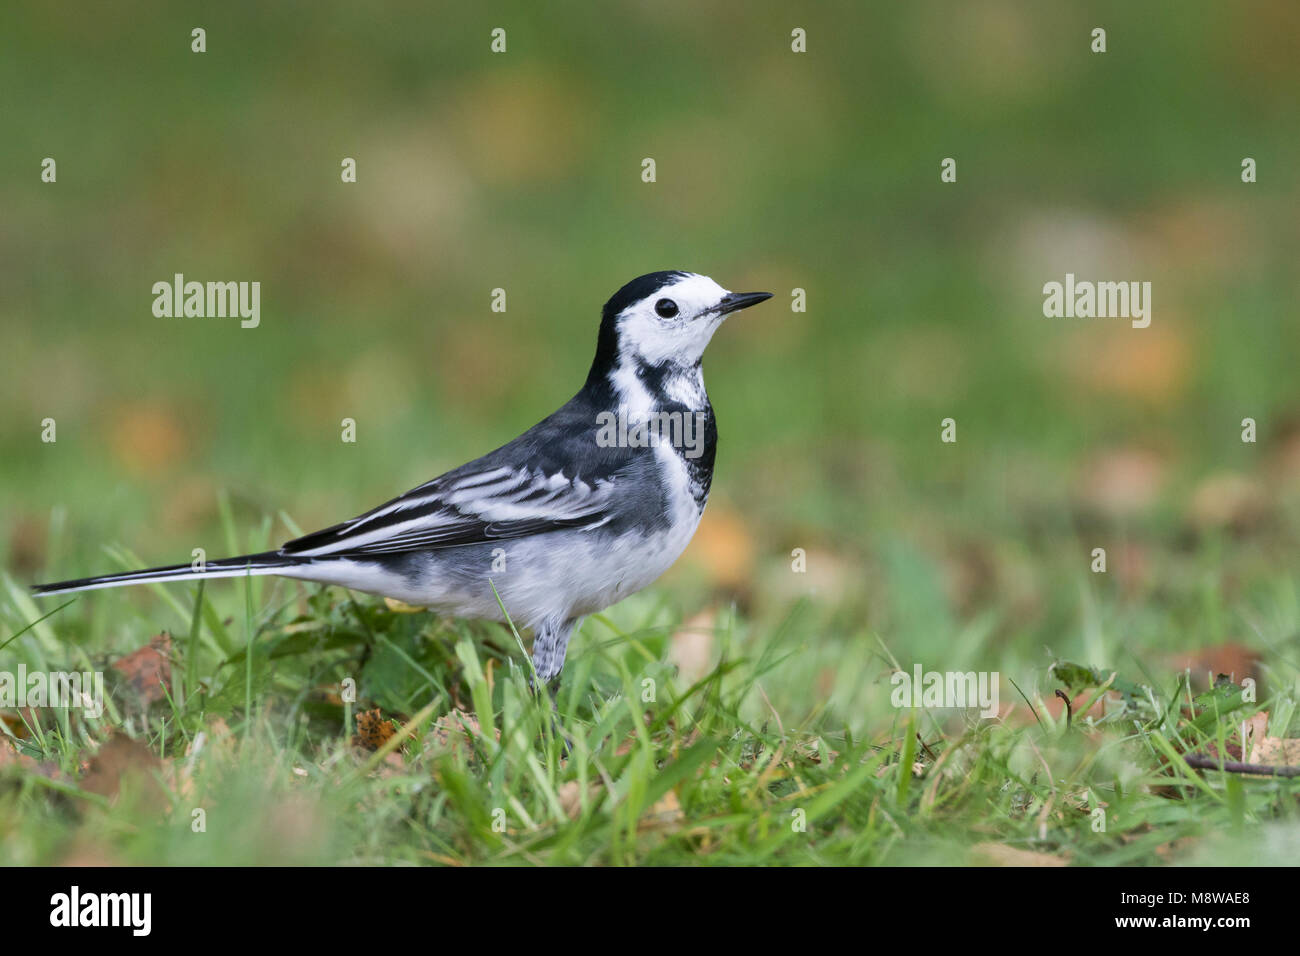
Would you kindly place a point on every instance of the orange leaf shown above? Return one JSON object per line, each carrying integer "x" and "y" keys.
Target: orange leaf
{"x": 148, "y": 671}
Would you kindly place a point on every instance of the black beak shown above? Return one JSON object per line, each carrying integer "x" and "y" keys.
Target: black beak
{"x": 735, "y": 301}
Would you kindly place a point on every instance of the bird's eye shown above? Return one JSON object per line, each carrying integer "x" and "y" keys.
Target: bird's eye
{"x": 666, "y": 308}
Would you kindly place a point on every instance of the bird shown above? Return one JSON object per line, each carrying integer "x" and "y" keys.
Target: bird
{"x": 590, "y": 505}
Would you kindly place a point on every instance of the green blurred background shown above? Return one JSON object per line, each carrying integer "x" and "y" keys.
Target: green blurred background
{"x": 775, "y": 170}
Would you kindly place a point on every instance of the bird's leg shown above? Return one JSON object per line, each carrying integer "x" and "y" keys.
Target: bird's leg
{"x": 550, "y": 641}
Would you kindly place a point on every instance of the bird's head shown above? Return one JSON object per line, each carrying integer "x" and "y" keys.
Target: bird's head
{"x": 664, "y": 318}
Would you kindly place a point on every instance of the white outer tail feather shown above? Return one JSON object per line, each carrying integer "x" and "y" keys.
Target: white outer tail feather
{"x": 251, "y": 564}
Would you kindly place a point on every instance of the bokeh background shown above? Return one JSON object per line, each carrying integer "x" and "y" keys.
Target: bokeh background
{"x": 776, "y": 170}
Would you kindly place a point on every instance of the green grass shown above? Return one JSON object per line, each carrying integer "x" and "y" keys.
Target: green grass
{"x": 741, "y": 766}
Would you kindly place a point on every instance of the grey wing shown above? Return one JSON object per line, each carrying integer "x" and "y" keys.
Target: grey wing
{"x": 467, "y": 506}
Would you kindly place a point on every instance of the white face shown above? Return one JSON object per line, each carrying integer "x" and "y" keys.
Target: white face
{"x": 674, "y": 324}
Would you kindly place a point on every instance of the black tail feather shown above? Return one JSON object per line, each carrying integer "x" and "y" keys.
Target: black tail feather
{"x": 265, "y": 563}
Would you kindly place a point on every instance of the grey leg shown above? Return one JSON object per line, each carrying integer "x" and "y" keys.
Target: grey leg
{"x": 550, "y": 641}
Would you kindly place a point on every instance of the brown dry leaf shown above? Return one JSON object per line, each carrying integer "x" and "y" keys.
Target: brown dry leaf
{"x": 1252, "y": 730}
{"x": 10, "y": 756}
{"x": 15, "y": 724}
{"x": 999, "y": 854}
{"x": 723, "y": 548}
{"x": 9, "y": 753}
{"x": 121, "y": 759}
{"x": 1236, "y": 660}
{"x": 1257, "y": 726}
{"x": 148, "y": 671}
{"x": 1275, "y": 751}
{"x": 690, "y": 649}
{"x": 373, "y": 730}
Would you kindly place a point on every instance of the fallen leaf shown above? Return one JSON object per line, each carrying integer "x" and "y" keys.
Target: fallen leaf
{"x": 15, "y": 724}
{"x": 1236, "y": 660}
{"x": 11, "y": 756}
{"x": 8, "y": 752}
{"x": 120, "y": 760}
{"x": 373, "y": 730}
{"x": 1276, "y": 752}
{"x": 148, "y": 670}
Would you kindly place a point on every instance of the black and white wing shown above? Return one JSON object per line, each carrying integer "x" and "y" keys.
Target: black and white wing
{"x": 467, "y": 506}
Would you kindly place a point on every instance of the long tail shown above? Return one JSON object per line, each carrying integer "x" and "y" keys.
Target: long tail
{"x": 268, "y": 562}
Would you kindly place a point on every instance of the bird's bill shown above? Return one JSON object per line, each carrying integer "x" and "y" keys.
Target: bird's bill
{"x": 735, "y": 301}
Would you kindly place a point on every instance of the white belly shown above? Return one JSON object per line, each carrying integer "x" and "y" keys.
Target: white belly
{"x": 553, "y": 576}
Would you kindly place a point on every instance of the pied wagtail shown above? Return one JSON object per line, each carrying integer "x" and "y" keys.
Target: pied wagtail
{"x": 565, "y": 520}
